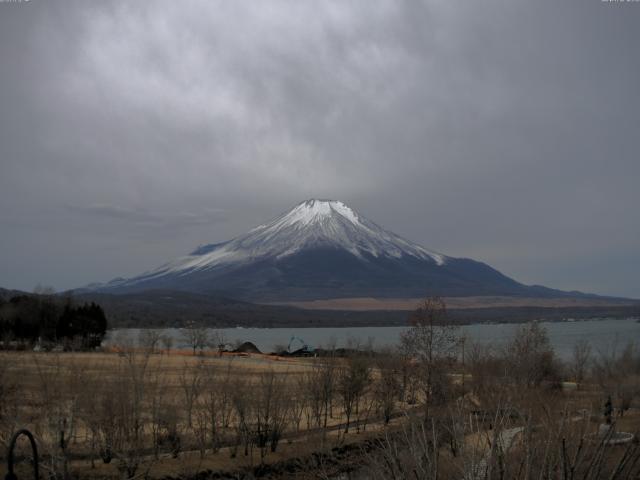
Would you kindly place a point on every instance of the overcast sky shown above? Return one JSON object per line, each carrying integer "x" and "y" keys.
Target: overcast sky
{"x": 504, "y": 131}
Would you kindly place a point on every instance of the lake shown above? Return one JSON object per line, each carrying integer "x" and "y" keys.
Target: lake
{"x": 604, "y": 335}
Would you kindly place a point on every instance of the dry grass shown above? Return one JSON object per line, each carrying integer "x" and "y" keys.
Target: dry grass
{"x": 40, "y": 389}
{"x": 44, "y": 384}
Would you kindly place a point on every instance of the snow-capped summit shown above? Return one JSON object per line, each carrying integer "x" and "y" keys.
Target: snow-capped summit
{"x": 334, "y": 223}
{"x": 310, "y": 224}
{"x": 328, "y": 223}
{"x": 315, "y": 211}
{"x": 321, "y": 249}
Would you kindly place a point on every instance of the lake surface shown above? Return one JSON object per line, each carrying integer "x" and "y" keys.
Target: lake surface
{"x": 604, "y": 335}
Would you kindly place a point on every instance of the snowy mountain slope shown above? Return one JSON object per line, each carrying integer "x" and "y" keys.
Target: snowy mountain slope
{"x": 314, "y": 223}
{"x": 323, "y": 249}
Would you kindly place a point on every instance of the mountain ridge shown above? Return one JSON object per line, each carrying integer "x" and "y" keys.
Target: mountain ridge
{"x": 324, "y": 249}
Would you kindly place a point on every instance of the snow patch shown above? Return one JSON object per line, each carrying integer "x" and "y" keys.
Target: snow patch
{"x": 314, "y": 211}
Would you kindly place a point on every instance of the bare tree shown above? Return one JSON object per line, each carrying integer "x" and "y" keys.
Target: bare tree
{"x": 312, "y": 390}
{"x": 300, "y": 403}
{"x": 196, "y": 336}
{"x": 124, "y": 417}
{"x": 486, "y": 368}
{"x": 580, "y": 360}
{"x": 270, "y": 411}
{"x": 412, "y": 453}
{"x": 225, "y": 389}
{"x": 549, "y": 444}
{"x": 387, "y": 385}
{"x": 217, "y": 341}
{"x": 169, "y": 428}
{"x": 243, "y": 404}
{"x": 167, "y": 343}
{"x": 149, "y": 339}
{"x": 191, "y": 386}
{"x": 432, "y": 343}
{"x": 157, "y": 405}
{"x": 59, "y": 389}
{"x": 530, "y": 357}
{"x": 618, "y": 374}
{"x": 320, "y": 388}
{"x": 203, "y": 425}
{"x": 353, "y": 378}
{"x": 216, "y": 404}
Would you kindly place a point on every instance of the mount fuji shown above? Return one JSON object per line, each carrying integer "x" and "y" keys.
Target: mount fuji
{"x": 324, "y": 249}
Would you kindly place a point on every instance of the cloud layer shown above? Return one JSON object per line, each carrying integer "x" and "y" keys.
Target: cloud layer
{"x": 502, "y": 131}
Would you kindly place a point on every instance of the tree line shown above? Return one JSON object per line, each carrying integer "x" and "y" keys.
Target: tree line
{"x": 48, "y": 320}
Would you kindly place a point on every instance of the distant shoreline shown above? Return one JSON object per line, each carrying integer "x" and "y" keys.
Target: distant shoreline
{"x": 406, "y": 324}
{"x": 290, "y": 317}
{"x": 408, "y": 304}
{"x": 602, "y": 333}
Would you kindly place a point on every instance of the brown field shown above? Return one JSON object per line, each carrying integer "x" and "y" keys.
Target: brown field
{"x": 366, "y": 304}
{"x": 49, "y": 393}
{"x": 149, "y": 413}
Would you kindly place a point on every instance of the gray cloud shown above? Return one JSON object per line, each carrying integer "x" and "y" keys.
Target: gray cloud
{"x": 502, "y": 131}
{"x": 145, "y": 218}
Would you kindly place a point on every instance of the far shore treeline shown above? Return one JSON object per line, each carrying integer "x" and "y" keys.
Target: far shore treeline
{"x": 50, "y": 321}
